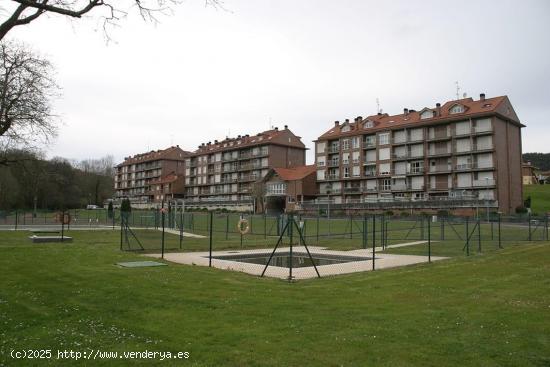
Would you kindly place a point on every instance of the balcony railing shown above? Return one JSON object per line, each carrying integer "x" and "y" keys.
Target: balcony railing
{"x": 369, "y": 144}
{"x": 440, "y": 168}
{"x": 333, "y": 163}
{"x": 333, "y": 176}
{"x": 442, "y": 151}
{"x": 370, "y": 173}
{"x": 334, "y": 149}
{"x": 484, "y": 182}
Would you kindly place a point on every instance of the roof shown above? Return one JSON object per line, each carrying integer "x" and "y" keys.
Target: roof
{"x": 496, "y": 105}
{"x": 296, "y": 173}
{"x": 274, "y": 136}
{"x": 171, "y": 153}
{"x": 169, "y": 178}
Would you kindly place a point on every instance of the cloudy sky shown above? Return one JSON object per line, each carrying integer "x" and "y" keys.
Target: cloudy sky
{"x": 205, "y": 73}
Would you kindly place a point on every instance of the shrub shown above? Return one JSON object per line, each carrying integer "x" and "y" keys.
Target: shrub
{"x": 442, "y": 213}
{"x": 521, "y": 210}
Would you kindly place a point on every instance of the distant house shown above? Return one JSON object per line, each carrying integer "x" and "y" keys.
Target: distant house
{"x": 287, "y": 188}
{"x": 528, "y": 173}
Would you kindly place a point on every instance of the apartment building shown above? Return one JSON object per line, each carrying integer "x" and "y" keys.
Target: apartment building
{"x": 223, "y": 172}
{"x": 151, "y": 177}
{"x": 464, "y": 151}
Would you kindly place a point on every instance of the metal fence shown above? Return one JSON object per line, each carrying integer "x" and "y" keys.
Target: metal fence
{"x": 298, "y": 247}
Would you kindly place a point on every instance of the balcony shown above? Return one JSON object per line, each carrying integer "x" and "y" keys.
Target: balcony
{"x": 352, "y": 190}
{"x": 249, "y": 177}
{"x": 370, "y": 174}
{"x": 400, "y": 187}
{"x": 484, "y": 182}
{"x": 415, "y": 171}
{"x": 473, "y": 166}
{"x": 369, "y": 144}
{"x": 439, "y": 152}
{"x": 333, "y": 163}
{"x": 444, "y": 168}
{"x": 399, "y": 172}
{"x": 438, "y": 135}
{"x": 245, "y": 167}
{"x": 333, "y": 176}
{"x": 439, "y": 186}
{"x": 402, "y": 155}
{"x": 229, "y": 158}
{"x": 261, "y": 152}
{"x": 366, "y": 189}
{"x": 228, "y": 180}
{"x": 483, "y": 130}
{"x": 334, "y": 149}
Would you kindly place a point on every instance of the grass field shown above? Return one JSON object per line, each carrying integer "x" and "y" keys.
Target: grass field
{"x": 488, "y": 310}
{"x": 540, "y": 197}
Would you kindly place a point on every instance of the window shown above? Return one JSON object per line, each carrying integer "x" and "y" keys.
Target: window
{"x": 346, "y": 172}
{"x": 355, "y": 142}
{"x": 386, "y": 184}
{"x": 355, "y": 156}
{"x": 370, "y": 141}
{"x": 345, "y": 144}
{"x": 384, "y": 169}
{"x": 384, "y": 154}
{"x": 428, "y": 114}
{"x": 456, "y": 109}
{"x": 356, "y": 171}
{"x": 345, "y": 128}
{"x": 276, "y": 188}
{"x": 417, "y": 167}
{"x": 383, "y": 138}
{"x": 345, "y": 158}
{"x": 320, "y": 161}
{"x": 369, "y": 124}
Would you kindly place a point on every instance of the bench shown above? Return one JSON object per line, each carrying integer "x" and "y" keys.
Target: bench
{"x": 49, "y": 239}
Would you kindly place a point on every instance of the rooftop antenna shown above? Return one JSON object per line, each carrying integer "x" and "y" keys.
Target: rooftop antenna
{"x": 270, "y": 124}
{"x": 457, "y": 91}
{"x": 377, "y": 105}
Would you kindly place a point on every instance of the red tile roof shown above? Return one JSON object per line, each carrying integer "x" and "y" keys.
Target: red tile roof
{"x": 296, "y": 173}
{"x": 385, "y": 121}
{"x": 155, "y": 155}
{"x": 274, "y": 136}
{"x": 169, "y": 178}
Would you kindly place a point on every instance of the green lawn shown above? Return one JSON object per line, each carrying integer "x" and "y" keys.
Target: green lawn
{"x": 485, "y": 310}
{"x": 540, "y": 197}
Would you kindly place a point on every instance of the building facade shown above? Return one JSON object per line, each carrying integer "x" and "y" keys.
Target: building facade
{"x": 463, "y": 152}
{"x": 223, "y": 173}
{"x": 528, "y": 171}
{"x": 285, "y": 189}
{"x": 151, "y": 177}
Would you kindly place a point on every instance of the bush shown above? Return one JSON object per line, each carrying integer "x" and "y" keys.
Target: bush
{"x": 442, "y": 213}
{"x": 404, "y": 214}
{"x": 389, "y": 213}
{"x": 521, "y": 210}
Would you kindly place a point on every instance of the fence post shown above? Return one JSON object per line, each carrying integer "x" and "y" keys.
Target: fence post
{"x": 318, "y": 229}
{"x": 478, "y": 234}
{"x": 364, "y": 231}
{"x": 373, "y": 240}
{"x": 16, "y": 219}
{"x": 162, "y": 238}
{"x": 499, "y": 243}
{"x": 492, "y": 231}
{"x": 210, "y": 241}
{"x": 121, "y": 230}
{"x": 467, "y": 238}
{"x": 429, "y": 243}
{"x": 265, "y": 227}
{"x": 422, "y": 227}
{"x": 290, "y": 220}
{"x": 226, "y": 226}
{"x": 529, "y": 219}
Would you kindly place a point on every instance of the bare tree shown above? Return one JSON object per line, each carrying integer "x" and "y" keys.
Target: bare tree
{"x": 23, "y": 12}
{"x": 27, "y": 90}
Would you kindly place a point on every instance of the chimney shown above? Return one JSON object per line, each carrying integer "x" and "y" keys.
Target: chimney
{"x": 347, "y": 120}
{"x": 482, "y": 97}
{"x": 406, "y": 111}
{"x": 215, "y": 141}
{"x": 276, "y": 128}
{"x": 438, "y": 108}
{"x": 286, "y": 127}
{"x": 359, "y": 118}
{"x": 336, "y": 123}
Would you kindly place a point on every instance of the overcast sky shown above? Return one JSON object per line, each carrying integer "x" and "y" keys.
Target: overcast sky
{"x": 203, "y": 74}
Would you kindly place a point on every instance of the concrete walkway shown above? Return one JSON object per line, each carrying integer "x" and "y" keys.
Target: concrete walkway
{"x": 382, "y": 261}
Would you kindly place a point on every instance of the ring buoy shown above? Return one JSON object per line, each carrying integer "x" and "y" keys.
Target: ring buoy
{"x": 243, "y": 226}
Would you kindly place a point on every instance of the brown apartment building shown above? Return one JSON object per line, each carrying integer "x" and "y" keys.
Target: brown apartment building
{"x": 222, "y": 173}
{"x": 151, "y": 177}
{"x": 463, "y": 154}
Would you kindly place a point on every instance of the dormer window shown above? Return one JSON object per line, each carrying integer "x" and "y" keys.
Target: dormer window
{"x": 426, "y": 114}
{"x": 456, "y": 109}
{"x": 345, "y": 128}
{"x": 369, "y": 124}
